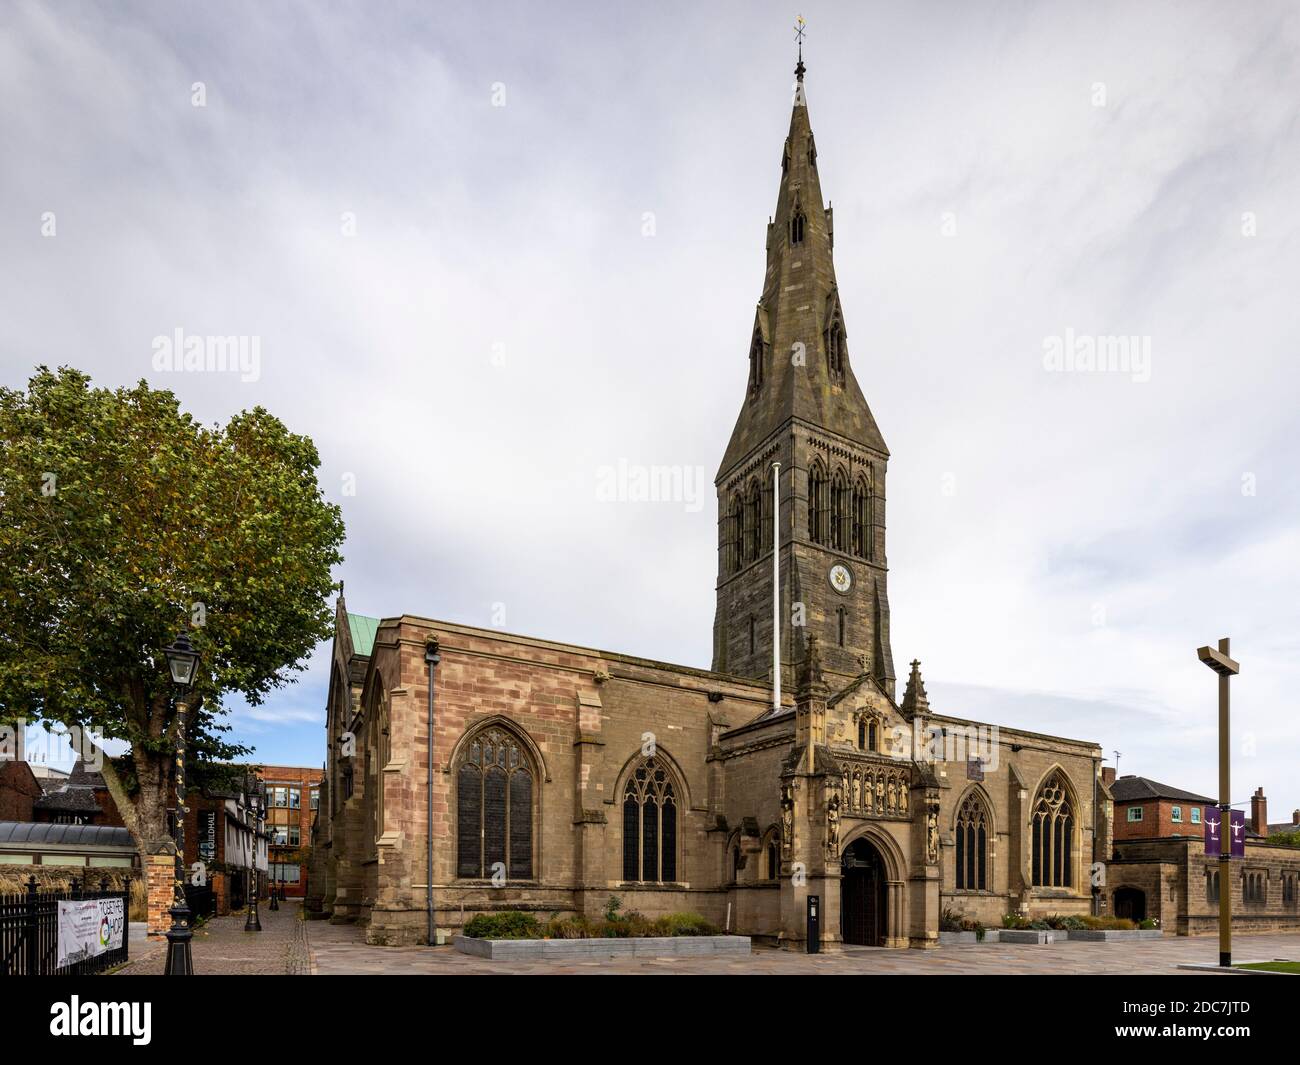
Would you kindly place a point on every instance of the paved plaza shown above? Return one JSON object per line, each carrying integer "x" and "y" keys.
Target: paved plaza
{"x": 288, "y": 945}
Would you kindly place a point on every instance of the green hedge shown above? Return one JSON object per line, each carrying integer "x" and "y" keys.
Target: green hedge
{"x": 513, "y": 924}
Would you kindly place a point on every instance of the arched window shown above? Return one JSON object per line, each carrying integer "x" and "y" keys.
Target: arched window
{"x": 972, "y": 844}
{"x": 753, "y": 521}
{"x": 765, "y": 516}
{"x": 836, "y": 342}
{"x": 1212, "y": 886}
{"x": 839, "y": 510}
{"x": 753, "y": 634}
{"x": 1053, "y": 834}
{"x": 817, "y": 503}
{"x": 772, "y": 855}
{"x": 797, "y": 224}
{"x": 494, "y": 807}
{"x": 650, "y": 825}
{"x": 842, "y": 619}
{"x": 734, "y": 523}
{"x": 861, "y": 518}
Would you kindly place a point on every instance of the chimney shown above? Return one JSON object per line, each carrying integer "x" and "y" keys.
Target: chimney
{"x": 1108, "y": 775}
{"x": 1259, "y": 812}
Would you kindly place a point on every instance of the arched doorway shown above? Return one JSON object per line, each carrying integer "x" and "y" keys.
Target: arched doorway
{"x": 862, "y": 894}
{"x": 1131, "y": 902}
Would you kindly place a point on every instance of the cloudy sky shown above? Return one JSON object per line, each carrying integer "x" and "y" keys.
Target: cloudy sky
{"x": 489, "y": 249}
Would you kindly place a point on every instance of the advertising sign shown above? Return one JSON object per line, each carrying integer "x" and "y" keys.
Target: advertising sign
{"x": 87, "y": 929}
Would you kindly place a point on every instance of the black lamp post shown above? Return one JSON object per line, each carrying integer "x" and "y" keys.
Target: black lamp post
{"x": 274, "y": 880}
{"x": 183, "y": 664}
{"x": 253, "y": 920}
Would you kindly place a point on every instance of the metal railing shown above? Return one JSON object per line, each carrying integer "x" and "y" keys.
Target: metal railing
{"x": 29, "y": 931}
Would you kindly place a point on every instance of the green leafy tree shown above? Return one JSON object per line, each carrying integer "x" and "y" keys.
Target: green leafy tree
{"x": 123, "y": 521}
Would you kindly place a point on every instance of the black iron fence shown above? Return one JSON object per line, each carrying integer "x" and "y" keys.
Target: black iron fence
{"x": 29, "y": 931}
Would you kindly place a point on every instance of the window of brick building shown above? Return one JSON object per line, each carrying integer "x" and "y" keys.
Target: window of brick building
{"x": 494, "y": 808}
{"x": 650, "y": 825}
{"x": 1053, "y": 834}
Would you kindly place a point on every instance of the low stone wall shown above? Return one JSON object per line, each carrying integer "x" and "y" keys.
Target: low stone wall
{"x": 1027, "y": 935}
{"x": 657, "y": 946}
{"x": 991, "y": 935}
{"x": 1113, "y": 935}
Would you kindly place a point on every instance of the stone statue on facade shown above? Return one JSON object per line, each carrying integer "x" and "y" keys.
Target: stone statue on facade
{"x": 833, "y": 825}
{"x": 787, "y": 817}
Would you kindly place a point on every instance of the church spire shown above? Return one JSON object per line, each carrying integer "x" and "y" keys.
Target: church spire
{"x": 799, "y": 361}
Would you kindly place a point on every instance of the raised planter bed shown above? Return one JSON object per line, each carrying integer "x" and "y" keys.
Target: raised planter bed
{"x": 1026, "y": 935}
{"x": 1113, "y": 935}
{"x": 655, "y": 946}
{"x": 969, "y": 938}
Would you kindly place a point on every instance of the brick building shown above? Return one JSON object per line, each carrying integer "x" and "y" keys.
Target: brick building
{"x": 19, "y": 790}
{"x": 1147, "y": 809}
{"x": 292, "y": 796}
{"x": 223, "y": 832}
{"x": 1159, "y": 868}
{"x": 563, "y": 775}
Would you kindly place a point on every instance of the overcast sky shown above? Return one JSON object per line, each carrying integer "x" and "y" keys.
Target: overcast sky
{"x": 489, "y": 249}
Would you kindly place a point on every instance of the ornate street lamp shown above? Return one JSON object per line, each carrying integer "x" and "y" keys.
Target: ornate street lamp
{"x": 253, "y": 920}
{"x": 183, "y": 664}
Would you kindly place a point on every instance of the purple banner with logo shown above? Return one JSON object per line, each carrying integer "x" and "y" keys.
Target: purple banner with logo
{"x": 1236, "y": 833}
{"x": 1213, "y": 837}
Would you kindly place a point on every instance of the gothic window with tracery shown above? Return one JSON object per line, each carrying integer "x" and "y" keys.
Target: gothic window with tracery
{"x": 494, "y": 807}
{"x": 732, "y": 545}
{"x": 797, "y": 225}
{"x": 972, "y": 845}
{"x": 1053, "y": 834}
{"x": 817, "y": 509}
{"x": 839, "y": 510}
{"x": 753, "y": 522}
{"x": 650, "y": 825}
{"x": 861, "y": 514}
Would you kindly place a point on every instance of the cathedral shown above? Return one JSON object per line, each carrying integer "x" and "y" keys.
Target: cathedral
{"x": 472, "y": 770}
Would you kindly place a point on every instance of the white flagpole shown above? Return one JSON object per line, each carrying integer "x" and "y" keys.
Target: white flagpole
{"x": 776, "y": 586}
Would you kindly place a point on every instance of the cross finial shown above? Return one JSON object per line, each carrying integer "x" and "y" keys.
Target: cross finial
{"x": 800, "y": 27}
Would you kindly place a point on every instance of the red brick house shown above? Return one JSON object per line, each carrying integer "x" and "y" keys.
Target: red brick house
{"x": 19, "y": 790}
{"x": 1147, "y": 809}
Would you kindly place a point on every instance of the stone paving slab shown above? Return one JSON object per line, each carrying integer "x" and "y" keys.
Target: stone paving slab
{"x": 221, "y": 947}
{"x": 341, "y": 949}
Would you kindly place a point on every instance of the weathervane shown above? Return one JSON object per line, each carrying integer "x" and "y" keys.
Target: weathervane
{"x": 799, "y": 30}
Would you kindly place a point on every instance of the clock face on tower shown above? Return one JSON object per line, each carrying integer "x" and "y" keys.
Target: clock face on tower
{"x": 841, "y": 579}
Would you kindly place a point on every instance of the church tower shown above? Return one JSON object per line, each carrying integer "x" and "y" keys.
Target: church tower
{"x": 804, "y": 409}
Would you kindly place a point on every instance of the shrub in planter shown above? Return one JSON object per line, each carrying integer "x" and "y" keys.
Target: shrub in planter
{"x": 1148, "y": 923}
{"x": 1108, "y": 923}
{"x": 685, "y": 924}
{"x": 1014, "y": 921}
{"x": 952, "y": 921}
{"x": 508, "y": 924}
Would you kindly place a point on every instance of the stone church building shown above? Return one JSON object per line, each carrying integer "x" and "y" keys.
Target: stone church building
{"x": 472, "y": 770}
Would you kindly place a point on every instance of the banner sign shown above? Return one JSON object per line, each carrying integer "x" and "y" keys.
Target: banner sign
{"x": 1236, "y": 833}
{"x": 207, "y": 835}
{"x": 88, "y": 929}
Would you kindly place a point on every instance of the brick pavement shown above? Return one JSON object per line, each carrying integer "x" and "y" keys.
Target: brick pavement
{"x": 341, "y": 949}
{"x": 288, "y": 945}
{"x": 222, "y": 947}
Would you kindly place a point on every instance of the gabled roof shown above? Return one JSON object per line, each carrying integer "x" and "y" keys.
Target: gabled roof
{"x": 1137, "y": 789}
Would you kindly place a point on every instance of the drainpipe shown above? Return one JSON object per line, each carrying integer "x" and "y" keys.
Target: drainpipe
{"x": 432, "y": 658}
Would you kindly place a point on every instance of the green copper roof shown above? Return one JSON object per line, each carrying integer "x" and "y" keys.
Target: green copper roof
{"x": 363, "y": 632}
